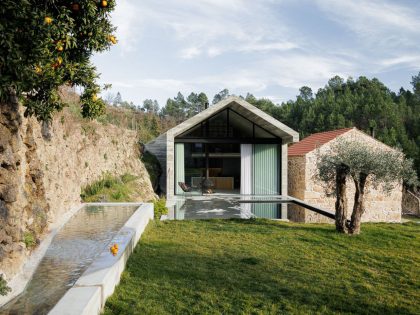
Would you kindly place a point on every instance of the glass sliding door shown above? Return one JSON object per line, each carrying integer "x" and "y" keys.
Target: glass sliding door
{"x": 195, "y": 162}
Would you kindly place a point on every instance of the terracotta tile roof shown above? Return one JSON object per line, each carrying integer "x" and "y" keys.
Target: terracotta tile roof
{"x": 315, "y": 140}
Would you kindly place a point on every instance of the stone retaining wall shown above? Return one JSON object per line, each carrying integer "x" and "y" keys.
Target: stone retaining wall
{"x": 42, "y": 179}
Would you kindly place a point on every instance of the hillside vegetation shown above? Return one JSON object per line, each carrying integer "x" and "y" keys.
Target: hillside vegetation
{"x": 391, "y": 117}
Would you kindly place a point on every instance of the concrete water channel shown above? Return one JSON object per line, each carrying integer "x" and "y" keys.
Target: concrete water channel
{"x": 78, "y": 271}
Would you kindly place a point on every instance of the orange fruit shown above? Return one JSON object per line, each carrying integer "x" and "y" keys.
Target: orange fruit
{"x": 104, "y": 3}
{"x": 38, "y": 69}
{"x": 60, "y": 48}
{"x": 48, "y": 20}
{"x": 112, "y": 39}
{"x": 57, "y": 63}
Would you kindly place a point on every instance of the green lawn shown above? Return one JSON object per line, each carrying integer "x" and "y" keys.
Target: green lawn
{"x": 268, "y": 267}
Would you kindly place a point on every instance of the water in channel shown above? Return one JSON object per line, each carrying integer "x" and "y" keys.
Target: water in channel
{"x": 71, "y": 252}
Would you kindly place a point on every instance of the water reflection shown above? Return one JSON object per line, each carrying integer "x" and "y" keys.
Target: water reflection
{"x": 226, "y": 207}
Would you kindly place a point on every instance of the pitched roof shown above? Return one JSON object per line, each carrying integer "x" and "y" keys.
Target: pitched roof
{"x": 245, "y": 109}
{"x": 314, "y": 141}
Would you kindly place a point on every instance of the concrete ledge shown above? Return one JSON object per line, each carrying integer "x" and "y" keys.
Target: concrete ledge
{"x": 105, "y": 272}
{"x": 82, "y": 301}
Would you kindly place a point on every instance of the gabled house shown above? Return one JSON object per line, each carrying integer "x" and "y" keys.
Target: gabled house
{"x": 302, "y": 184}
{"x": 229, "y": 148}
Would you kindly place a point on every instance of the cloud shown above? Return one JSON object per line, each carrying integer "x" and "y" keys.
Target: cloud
{"x": 209, "y": 28}
{"x": 128, "y": 19}
{"x": 256, "y": 46}
{"x": 387, "y": 33}
{"x": 190, "y": 52}
{"x": 376, "y": 20}
{"x": 163, "y": 84}
{"x": 405, "y": 60}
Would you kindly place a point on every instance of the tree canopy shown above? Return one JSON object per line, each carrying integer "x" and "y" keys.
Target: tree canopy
{"x": 182, "y": 108}
{"x": 393, "y": 118}
{"x": 364, "y": 165}
{"x": 46, "y": 44}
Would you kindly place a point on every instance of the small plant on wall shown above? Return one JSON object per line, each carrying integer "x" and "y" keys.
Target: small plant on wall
{"x": 4, "y": 289}
{"x": 363, "y": 165}
{"x": 29, "y": 239}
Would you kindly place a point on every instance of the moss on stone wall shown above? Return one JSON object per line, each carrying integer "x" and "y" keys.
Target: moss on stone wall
{"x": 153, "y": 168}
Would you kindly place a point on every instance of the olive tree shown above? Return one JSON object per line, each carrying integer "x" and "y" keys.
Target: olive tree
{"x": 48, "y": 43}
{"x": 363, "y": 165}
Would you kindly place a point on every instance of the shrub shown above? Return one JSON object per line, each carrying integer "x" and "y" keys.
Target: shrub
{"x": 29, "y": 239}
{"x": 107, "y": 181}
{"x": 4, "y": 289}
{"x": 160, "y": 208}
{"x": 110, "y": 188}
{"x": 126, "y": 178}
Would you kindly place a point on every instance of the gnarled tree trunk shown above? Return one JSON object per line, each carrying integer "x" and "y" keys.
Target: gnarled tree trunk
{"x": 359, "y": 207}
{"x": 341, "y": 201}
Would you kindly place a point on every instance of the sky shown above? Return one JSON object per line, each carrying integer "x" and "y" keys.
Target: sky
{"x": 269, "y": 48}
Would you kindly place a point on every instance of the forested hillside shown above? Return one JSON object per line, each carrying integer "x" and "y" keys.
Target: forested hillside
{"x": 369, "y": 105}
{"x": 392, "y": 117}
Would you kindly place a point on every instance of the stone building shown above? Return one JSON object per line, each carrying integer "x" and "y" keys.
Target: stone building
{"x": 302, "y": 184}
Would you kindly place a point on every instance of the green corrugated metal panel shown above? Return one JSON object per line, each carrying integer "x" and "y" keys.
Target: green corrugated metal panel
{"x": 179, "y": 167}
{"x": 265, "y": 169}
{"x": 265, "y": 178}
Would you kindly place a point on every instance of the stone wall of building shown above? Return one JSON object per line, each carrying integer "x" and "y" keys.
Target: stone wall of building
{"x": 380, "y": 206}
{"x": 296, "y": 186}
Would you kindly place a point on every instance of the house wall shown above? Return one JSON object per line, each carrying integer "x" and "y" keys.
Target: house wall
{"x": 296, "y": 186}
{"x": 380, "y": 207}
